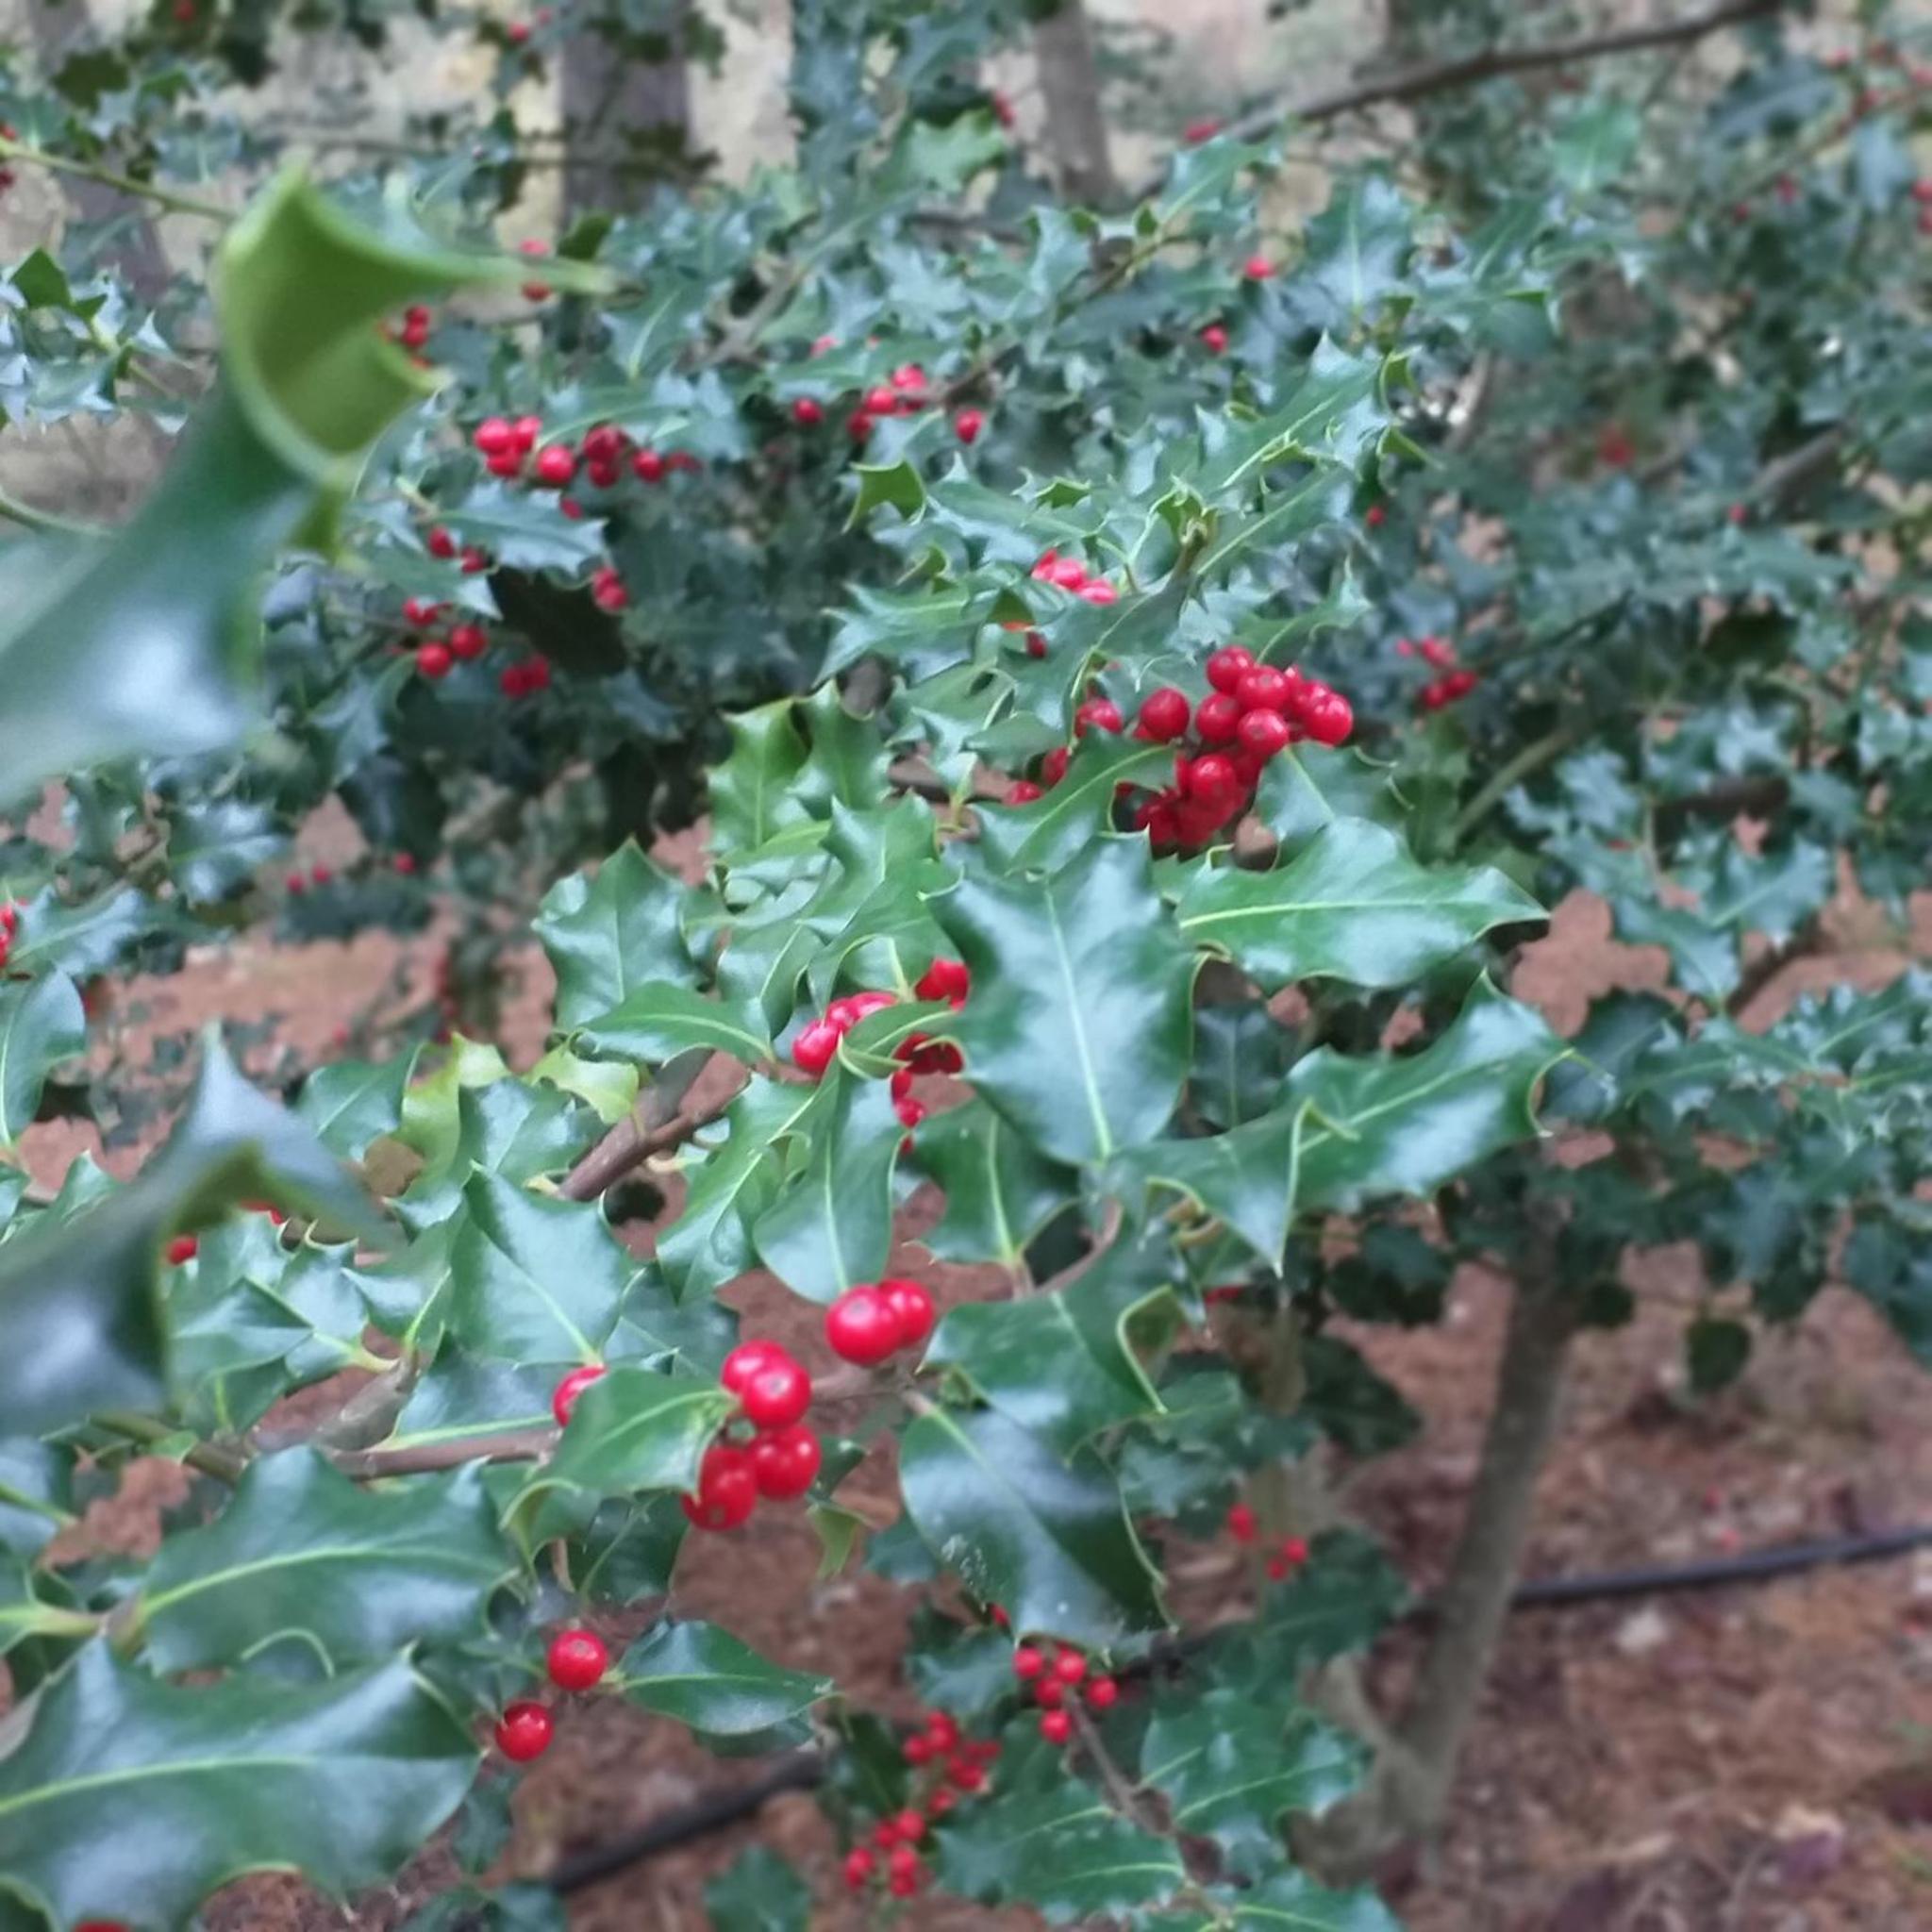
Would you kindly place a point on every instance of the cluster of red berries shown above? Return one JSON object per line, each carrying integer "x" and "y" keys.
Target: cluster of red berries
{"x": 414, "y": 333}
{"x": 466, "y": 640}
{"x": 877, "y": 1319}
{"x": 1287, "y": 1556}
{"x": 183, "y": 1248}
{"x": 442, "y": 544}
{"x": 817, "y": 1043}
{"x": 1070, "y": 574}
{"x": 576, "y": 1661}
{"x": 9, "y": 926}
{"x": 1053, "y": 1679}
{"x": 953, "y": 1767}
{"x": 905, "y": 393}
{"x": 1439, "y": 655}
{"x": 507, "y": 445}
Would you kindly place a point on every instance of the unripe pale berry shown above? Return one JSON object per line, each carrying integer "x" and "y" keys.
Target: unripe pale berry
{"x": 524, "y": 1731}
{"x": 577, "y": 1659}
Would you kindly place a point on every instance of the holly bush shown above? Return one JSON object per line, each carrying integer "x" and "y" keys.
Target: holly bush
{"x": 1147, "y": 673}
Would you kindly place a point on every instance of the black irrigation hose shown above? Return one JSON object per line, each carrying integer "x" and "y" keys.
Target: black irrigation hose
{"x": 801, "y": 1770}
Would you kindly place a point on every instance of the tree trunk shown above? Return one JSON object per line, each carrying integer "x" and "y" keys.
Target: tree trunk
{"x": 134, "y": 249}
{"x": 1409, "y": 1789}
{"x": 1070, "y": 85}
{"x": 611, "y": 97}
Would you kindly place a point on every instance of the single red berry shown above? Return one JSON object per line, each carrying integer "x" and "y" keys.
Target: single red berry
{"x": 785, "y": 1462}
{"x": 858, "y": 1868}
{"x": 862, "y": 1327}
{"x": 945, "y": 979}
{"x": 504, "y": 464}
{"x": 1214, "y": 339}
{"x": 727, "y": 1490}
{"x": 880, "y": 401}
{"x": 1227, "y": 666}
{"x": 911, "y": 1825}
{"x": 1241, "y": 1524}
{"x": 1332, "y": 721}
{"x": 808, "y": 413}
{"x": 885, "y": 1834}
{"x": 524, "y": 1731}
{"x": 912, "y": 1308}
{"x": 1043, "y": 569}
{"x": 1257, "y": 268}
{"x": 967, "y": 426}
{"x": 1069, "y": 572}
{"x": 577, "y": 1659}
{"x": 1295, "y": 1551}
{"x": 941, "y": 1802}
{"x": 1036, "y": 644}
{"x": 1264, "y": 688}
{"x": 1100, "y": 714}
{"x": 467, "y": 641}
{"x": 777, "y": 1395}
{"x": 943, "y": 1729}
{"x": 905, "y": 1880}
{"x": 858, "y": 427}
{"x": 1263, "y": 733}
{"x": 182, "y": 1248}
{"x": 493, "y": 437}
{"x": 475, "y": 559}
{"x": 1195, "y": 132}
{"x": 815, "y": 1047}
{"x": 1070, "y": 1667}
{"x": 917, "y": 1749}
{"x": 404, "y": 862}
{"x": 1211, "y": 780}
{"x": 1052, "y": 767}
{"x": 1022, "y": 791}
{"x": 967, "y": 1776}
{"x": 1277, "y": 1569}
{"x": 848, "y": 1012}
{"x": 433, "y": 661}
{"x": 1056, "y": 1727}
{"x": 1164, "y": 714}
{"x": 647, "y": 466}
{"x": 564, "y": 1398}
{"x": 421, "y": 610}
{"x": 1103, "y": 1694}
{"x": 1374, "y": 516}
{"x": 1218, "y": 718}
{"x": 746, "y": 1360}
{"x": 1029, "y": 1663}
{"x": 1049, "y": 1694}
{"x": 555, "y": 466}
{"x": 1098, "y": 591}
{"x": 517, "y": 32}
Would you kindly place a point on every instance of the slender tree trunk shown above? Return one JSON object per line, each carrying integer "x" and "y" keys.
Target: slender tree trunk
{"x": 610, "y": 98}
{"x": 1408, "y": 1792}
{"x": 1070, "y": 84}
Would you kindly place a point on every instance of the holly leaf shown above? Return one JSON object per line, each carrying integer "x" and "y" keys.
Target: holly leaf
{"x": 353, "y": 1102}
{"x": 706, "y": 1679}
{"x": 660, "y": 1020}
{"x": 1045, "y": 835}
{"x": 1079, "y": 1030}
{"x": 1000, "y": 1193}
{"x": 1047, "y": 1540}
{"x": 300, "y": 1552}
{"x": 133, "y": 1798}
{"x": 41, "y": 1024}
{"x": 754, "y": 792}
{"x": 1354, "y": 905}
{"x": 758, "y": 1892}
{"x": 1308, "y": 786}
{"x": 1060, "y": 1364}
{"x": 1287, "y": 1901}
{"x": 610, "y": 932}
{"x": 1230, "y": 1768}
{"x": 633, "y": 1430}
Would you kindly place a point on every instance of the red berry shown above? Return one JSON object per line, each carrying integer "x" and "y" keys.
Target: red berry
{"x": 1022, "y": 791}
{"x": 433, "y": 661}
{"x": 808, "y": 413}
{"x": 966, "y": 1775}
{"x": 493, "y": 437}
{"x": 858, "y": 1868}
{"x": 1218, "y": 718}
{"x": 420, "y": 610}
{"x": 182, "y": 1248}
{"x": 1227, "y": 666}
{"x": 1331, "y": 721}
{"x": 846, "y": 1012}
{"x": 1214, "y": 339}
{"x": 905, "y": 1880}
{"x": 1049, "y": 1694}
{"x": 577, "y": 1659}
{"x": 862, "y": 1327}
{"x": 1195, "y": 132}
{"x": 1056, "y": 1727}
{"x": 404, "y": 862}
{"x": 1029, "y": 1663}
{"x": 785, "y": 1462}
{"x": 1100, "y": 714}
{"x": 564, "y": 1398}
{"x": 1069, "y": 572}
{"x": 1070, "y": 1667}
{"x": 1295, "y": 1551}
{"x": 1257, "y": 268}
{"x": 475, "y": 559}
{"x": 945, "y": 979}
{"x": 555, "y": 466}
{"x": 912, "y": 1309}
{"x": 506, "y": 463}
{"x": 777, "y": 1395}
{"x": 1052, "y": 767}
{"x": 911, "y": 1825}
{"x": 524, "y": 1731}
{"x": 1164, "y": 714}
{"x": 813, "y": 1051}
{"x": 1097, "y": 590}
{"x": 1211, "y": 780}
{"x": 941, "y": 1802}
{"x": 943, "y": 1729}
{"x": 1241, "y": 1524}
{"x": 1374, "y": 516}
{"x": 727, "y": 1490}
{"x": 746, "y": 1360}
{"x": 1103, "y": 1694}
{"x": 467, "y": 641}
{"x": 967, "y": 426}
{"x": 1264, "y": 689}
{"x": 1036, "y": 644}
{"x": 647, "y": 466}
{"x": 1263, "y": 733}
{"x": 917, "y": 1749}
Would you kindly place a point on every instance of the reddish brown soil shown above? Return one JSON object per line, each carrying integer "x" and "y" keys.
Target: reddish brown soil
{"x": 1751, "y": 1759}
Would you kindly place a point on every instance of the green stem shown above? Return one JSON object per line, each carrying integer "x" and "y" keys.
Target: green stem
{"x": 17, "y": 513}
{"x": 1532, "y": 758}
{"x": 151, "y": 1430}
{"x": 121, "y": 184}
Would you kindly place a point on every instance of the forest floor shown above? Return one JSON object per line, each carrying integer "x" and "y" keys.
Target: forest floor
{"x": 1744, "y": 1759}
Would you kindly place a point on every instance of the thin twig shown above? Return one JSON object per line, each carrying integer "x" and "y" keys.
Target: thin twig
{"x": 412, "y": 1458}
{"x": 656, "y": 1123}
{"x": 225, "y": 1465}
{"x": 120, "y": 184}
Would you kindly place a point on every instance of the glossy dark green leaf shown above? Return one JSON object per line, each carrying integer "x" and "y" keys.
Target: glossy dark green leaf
{"x": 1353, "y": 906}
{"x": 1241, "y": 1058}
{"x": 1310, "y": 785}
{"x": 1349, "y": 1402}
{"x": 1284, "y": 1901}
{"x": 754, "y": 792}
{"x": 999, "y": 1192}
{"x": 758, "y": 1892}
{"x": 41, "y": 1024}
{"x": 629, "y": 1550}
{"x": 133, "y": 1798}
{"x": 302, "y": 1553}
{"x": 1045, "y": 835}
{"x": 609, "y": 932}
{"x": 1046, "y": 1539}
{"x": 351, "y": 1103}
{"x": 706, "y": 1678}
{"x": 1078, "y": 1029}
{"x": 660, "y": 1020}
{"x": 633, "y": 1430}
